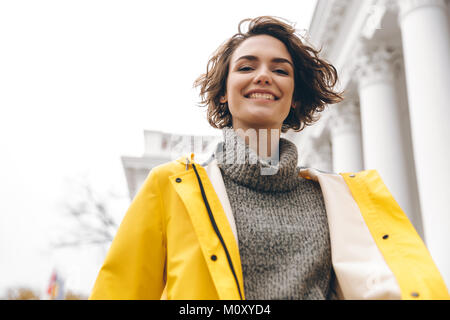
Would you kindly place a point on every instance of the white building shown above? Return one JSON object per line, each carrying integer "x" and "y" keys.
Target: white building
{"x": 393, "y": 59}
{"x": 161, "y": 147}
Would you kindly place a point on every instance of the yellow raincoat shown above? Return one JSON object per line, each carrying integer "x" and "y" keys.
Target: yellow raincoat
{"x": 178, "y": 240}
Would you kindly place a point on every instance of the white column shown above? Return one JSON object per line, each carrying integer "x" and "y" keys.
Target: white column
{"x": 384, "y": 146}
{"x": 426, "y": 43}
{"x": 323, "y": 153}
{"x": 345, "y": 130}
{"x": 316, "y": 153}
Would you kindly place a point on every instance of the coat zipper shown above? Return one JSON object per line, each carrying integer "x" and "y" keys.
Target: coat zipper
{"x": 216, "y": 229}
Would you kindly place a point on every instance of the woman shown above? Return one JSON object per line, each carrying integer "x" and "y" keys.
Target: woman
{"x": 249, "y": 223}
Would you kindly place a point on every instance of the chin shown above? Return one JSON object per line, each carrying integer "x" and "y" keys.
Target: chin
{"x": 261, "y": 124}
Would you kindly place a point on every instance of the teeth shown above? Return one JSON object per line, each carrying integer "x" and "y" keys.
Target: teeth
{"x": 258, "y": 95}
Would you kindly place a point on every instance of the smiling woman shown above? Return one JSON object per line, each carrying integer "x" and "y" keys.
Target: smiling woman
{"x": 271, "y": 59}
{"x": 260, "y": 84}
{"x": 312, "y": 78}
{"x": 227, "y": 229}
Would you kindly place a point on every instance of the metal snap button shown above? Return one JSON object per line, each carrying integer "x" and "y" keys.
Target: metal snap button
{"x": 213, "y": 257}
{"x": 178, "y": 180}
{"x": 385, "y": 236}
{"x": 415, "y": 294}
{"x": 352, "y": 176}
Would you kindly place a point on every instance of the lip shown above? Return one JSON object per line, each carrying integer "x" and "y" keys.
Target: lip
{"x": 261, "y": 91}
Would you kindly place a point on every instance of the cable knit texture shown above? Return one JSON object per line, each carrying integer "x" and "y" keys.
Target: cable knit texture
{"x": 281, "y": 223}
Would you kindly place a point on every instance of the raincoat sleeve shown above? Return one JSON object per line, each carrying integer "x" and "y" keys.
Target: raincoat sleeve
{"x": 134, "y": 265}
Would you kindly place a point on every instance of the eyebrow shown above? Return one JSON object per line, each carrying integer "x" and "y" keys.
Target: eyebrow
{"x": 253, "y": 58}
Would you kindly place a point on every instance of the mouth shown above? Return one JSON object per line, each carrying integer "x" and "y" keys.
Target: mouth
{"x": 261, "y": 96}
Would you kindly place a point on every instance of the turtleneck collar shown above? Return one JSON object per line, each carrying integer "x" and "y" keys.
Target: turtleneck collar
{"x": 241, "y": 164}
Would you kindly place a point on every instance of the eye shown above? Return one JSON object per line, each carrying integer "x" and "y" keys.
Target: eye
{"x": 281, "y": 71}
{"x": 245, "y": 68}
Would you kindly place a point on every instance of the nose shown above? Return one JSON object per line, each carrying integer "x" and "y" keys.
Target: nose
{"x": 263, "y": 77}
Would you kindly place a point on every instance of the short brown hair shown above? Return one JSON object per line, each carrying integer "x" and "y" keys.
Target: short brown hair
{"x": 314, "y": 78}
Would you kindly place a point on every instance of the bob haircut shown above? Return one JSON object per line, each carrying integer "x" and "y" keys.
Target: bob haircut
{"x": 314, "y": 78}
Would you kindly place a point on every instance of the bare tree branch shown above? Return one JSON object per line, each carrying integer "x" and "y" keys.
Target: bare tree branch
{"x": 94, "y": 223}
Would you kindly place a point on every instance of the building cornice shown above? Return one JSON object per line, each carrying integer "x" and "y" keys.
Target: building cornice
{"x": 326, "y": 21}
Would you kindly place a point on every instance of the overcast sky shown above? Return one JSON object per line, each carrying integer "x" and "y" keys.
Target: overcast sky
{"x": 79, "y": 83}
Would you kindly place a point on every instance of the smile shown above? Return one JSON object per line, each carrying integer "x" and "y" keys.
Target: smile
{"x": 264, "y": 96}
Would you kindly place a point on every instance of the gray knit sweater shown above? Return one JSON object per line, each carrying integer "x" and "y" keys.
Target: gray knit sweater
{"x": 281, "y": 224}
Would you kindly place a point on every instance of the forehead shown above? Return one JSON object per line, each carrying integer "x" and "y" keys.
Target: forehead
{"x": 262, "y": 46}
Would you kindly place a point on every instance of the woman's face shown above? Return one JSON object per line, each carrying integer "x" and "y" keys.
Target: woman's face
{"x": 260, "y": 83}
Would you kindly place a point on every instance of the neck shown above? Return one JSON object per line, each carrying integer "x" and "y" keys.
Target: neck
{"x": 242, "y": 164}
{"x": 264, "y": 141}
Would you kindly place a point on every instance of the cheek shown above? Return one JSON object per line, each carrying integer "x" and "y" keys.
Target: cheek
{"x": 289, "y": 87}
{"x": 234, "y": 88}
{"x": 289, "y": 97}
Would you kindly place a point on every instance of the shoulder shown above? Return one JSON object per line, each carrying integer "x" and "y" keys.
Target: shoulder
{"x": 167, "y": 169}
{"x": 163, "y": 172}
{"x": 313, "y": 174}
